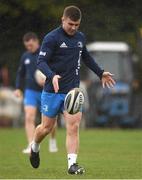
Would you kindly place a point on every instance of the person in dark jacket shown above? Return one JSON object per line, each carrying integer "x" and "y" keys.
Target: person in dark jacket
{"x": 59, "y": 59}
{"x": 32, "y": 89}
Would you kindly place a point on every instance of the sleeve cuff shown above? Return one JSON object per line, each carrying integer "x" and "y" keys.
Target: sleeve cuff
{"x": 101, "y": 74}
{"x": 52, "y": 75}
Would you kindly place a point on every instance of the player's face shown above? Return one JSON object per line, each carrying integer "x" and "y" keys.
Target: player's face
{"x": 70, "y": 26}
{"x": 32, "y": 45}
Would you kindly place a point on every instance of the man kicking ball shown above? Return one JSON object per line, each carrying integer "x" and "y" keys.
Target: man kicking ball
{"x": 32, "y": 92}
{"x": 59, "y": 59}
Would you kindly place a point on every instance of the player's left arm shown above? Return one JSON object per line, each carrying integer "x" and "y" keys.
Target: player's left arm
{"x": 106, "y": 77}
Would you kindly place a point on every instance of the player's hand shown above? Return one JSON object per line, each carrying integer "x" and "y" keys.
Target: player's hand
{"x": 56, "y": 83}
{"x": 107, "y": 80}
{"x": 18, "y": 93}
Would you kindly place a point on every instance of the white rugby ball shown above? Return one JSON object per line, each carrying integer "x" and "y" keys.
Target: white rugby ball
{"x": 40, "y": 77}
{"x": 74, "y": 100}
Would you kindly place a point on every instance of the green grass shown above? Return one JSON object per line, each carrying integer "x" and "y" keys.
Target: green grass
{"x": 104, "y": 153}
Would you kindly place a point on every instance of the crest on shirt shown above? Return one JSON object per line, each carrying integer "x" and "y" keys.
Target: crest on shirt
{"x": 42, "y": 53}
{"x": 27, "y": 61}
{"x": 80, "y": 44}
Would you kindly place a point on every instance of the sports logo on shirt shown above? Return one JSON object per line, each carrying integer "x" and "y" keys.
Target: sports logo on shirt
{"x": 79, "y": 44}
{"x": 63, "y": 45}
{"x": 42, "y": 53}
{"x": 27, "y": 61}
{"x": 45, "y": 108}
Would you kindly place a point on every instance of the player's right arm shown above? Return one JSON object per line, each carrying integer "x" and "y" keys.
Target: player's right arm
{"x": 19, "y": 77}
{"x": 47, "y": 48}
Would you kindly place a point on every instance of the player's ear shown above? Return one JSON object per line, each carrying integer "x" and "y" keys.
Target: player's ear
{"x": 62, "y": 19}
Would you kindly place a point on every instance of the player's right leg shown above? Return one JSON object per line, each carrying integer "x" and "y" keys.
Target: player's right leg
{"x": 41, "y": 131}
{"x": 50, "y": 105}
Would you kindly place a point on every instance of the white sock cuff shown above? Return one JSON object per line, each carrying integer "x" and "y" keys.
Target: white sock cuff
{"x": 35, "y": 146}
{"x": 72, "y": 155}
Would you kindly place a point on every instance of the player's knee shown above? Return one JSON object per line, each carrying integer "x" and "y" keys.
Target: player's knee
{"x": 73, "y": 129}
{"x": 47, "y": 128}
{"x": 29, "y": 117}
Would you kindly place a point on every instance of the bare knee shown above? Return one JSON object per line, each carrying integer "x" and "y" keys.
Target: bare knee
{"x": 47, "y": 125}
{"x": 47, "y": 129}
{"x": 72, "y": 129}
{"x": 29, "y": 118}
{"x": 30, "y": 113}
{"x": 72, "y": 123}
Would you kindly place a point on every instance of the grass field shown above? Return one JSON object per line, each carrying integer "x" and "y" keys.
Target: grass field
{"x": 104, "y": 153}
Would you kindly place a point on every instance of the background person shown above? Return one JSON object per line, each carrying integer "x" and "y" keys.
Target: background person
{"x": 32, "y": 90}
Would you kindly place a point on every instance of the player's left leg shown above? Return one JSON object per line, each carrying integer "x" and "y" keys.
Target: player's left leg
{"x": 52, "y": 140}
{"x": 72, "y": 142}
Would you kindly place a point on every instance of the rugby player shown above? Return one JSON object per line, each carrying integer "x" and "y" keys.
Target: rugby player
{"x": 59, "y": 59}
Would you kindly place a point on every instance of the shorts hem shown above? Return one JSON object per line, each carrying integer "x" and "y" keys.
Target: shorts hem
{"x": 48, "y": 115}
{"x": 30, "y": 105}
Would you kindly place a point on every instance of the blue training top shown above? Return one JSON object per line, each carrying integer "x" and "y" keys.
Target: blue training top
{"x": 27, "y": 70}
{"x": 61, "y": 54}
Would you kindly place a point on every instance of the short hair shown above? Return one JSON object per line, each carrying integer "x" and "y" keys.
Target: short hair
{"x": 73, "y": 12}
{"x": 30, "y": 35}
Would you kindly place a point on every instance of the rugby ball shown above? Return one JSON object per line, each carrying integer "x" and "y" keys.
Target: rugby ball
{"x": 73, "y": 101}
{"x": 40, "y": 77}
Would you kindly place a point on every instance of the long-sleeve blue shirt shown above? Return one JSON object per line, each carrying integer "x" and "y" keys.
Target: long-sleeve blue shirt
{"x": 26, "y": 71}
{"x": 61, "y": 54}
